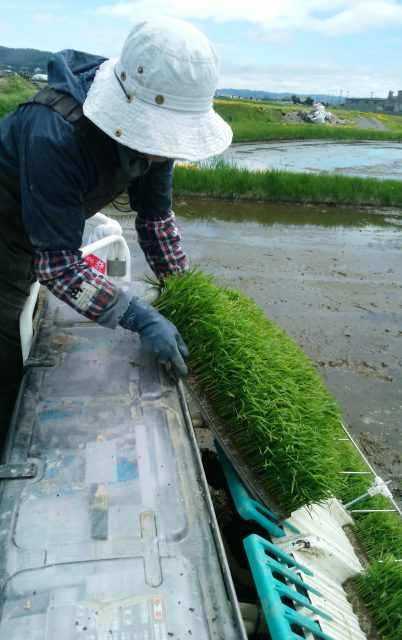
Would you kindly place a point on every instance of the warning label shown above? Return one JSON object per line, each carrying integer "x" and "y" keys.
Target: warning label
{"x": 131, "y": 619}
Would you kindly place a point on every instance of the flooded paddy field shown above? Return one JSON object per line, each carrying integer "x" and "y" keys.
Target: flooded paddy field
{"x": 331, "y": 278}
{"x": 364, "y": 159}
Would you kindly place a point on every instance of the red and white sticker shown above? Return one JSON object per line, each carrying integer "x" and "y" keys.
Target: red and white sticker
{"x": 157, "y": 608}
{"x": 95, "y": 262}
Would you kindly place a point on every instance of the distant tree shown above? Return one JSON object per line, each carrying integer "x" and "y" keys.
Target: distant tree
{"x": 295, "y": 99}
{"x": 23, "y": 59}
{"x": 308, "y": 101}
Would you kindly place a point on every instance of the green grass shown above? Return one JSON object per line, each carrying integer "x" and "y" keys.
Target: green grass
{"x": 381, "y": 589}
{"x": 262, "y": 131}
{"x": 13, "y": 91}
{"x": 221, "y": 179}
{"x": 264, "y": 120}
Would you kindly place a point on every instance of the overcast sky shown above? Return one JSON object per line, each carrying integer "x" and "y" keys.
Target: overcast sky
{"x": 337, "y": 47}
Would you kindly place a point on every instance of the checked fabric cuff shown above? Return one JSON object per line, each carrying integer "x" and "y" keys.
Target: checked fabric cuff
{"x": 70, "y": 279}
{"x": 159, "y": 238}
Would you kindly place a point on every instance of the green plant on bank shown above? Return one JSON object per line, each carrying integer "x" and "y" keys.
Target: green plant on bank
{"x": 380, "y": 587}
{"x": 13, "y": 91}
{"x": 222, "y": 179}
{"x": 254, "y": 131}
{"x": 264, "y": 120}
{"x": 274, "y": 405}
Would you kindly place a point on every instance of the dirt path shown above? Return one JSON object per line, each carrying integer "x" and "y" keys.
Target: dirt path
{"x": 371, "y": 122}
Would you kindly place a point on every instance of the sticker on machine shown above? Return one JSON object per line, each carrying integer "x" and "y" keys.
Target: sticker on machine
{"x": 142, "y": 618}
{"x": 113, "y": 460}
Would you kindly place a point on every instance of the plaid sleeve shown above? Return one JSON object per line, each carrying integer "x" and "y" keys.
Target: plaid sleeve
{"x": 70, "y": 279}
{"x": 160, "y": 240}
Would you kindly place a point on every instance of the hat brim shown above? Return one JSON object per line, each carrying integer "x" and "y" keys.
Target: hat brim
{"x": 153, "y": 129}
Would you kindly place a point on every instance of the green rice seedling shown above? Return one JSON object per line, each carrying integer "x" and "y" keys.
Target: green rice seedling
{"x": 223, "y": 179}
{"x": 379, "y": 532}
{"x": 272, "y": 402}
{"x": 285, "y": 423}
{"x": 381, "y": 589}
{"x": 357, "y": 482}
{"x": 262, "y": 386}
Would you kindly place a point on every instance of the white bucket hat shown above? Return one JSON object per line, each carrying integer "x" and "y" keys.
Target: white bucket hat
{"x": 157, "y": 97}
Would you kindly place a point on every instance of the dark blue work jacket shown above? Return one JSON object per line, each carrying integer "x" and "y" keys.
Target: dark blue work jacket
{"x": 49, "y": 176}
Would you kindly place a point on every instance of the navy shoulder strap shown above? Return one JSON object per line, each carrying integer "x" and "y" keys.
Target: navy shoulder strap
{"x": 71, "y": 111}
{"x": 64, "y": 104}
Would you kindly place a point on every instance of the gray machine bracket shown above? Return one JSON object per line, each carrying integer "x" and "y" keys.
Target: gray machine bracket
{"x": 17, "y": 471}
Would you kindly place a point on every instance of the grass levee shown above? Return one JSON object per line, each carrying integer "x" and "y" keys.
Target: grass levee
{"x": 13, "y": 91}
{"x": 264, "y": 120}
{"x": 222, "y": 179}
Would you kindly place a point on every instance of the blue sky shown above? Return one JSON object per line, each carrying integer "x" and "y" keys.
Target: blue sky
{"x": 333, "y": 47}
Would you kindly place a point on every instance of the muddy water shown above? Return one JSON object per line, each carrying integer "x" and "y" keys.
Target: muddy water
{"x": 331, "y": 278}
{"x": 364, "y": 159}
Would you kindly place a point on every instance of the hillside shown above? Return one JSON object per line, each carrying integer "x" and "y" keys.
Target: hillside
{"x": 250, "y": 94}
{"x": 28, "y": 60}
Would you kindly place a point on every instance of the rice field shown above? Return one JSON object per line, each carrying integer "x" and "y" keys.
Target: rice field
{"x": 221, "y": 179}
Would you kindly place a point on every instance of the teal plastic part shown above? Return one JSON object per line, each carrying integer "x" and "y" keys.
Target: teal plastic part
{"x": 247, "y": 507}
{"x": 268, "y": 561}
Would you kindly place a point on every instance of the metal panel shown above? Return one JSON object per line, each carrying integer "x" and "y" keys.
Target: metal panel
{"x": 113, "y": 537}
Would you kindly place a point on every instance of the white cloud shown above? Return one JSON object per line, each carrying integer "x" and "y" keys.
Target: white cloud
{"x": 29, "y": 7}
{"x": 362, "y": 16}
{"x": 221, "y": 10}
{"x": 307, "y": 78}
{"x": 270, "y": 37}
{"x": 287, "y": 22}
{"x": 330, "y": 17}
{"x": 105, "y": 40}
{"x": 48, "y": 18}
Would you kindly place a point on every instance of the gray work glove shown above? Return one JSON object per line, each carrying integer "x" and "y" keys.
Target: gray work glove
{"x": 158, "y": 335}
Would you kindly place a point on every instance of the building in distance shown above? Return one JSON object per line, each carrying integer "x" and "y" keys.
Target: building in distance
{"x": 391, "y": 104}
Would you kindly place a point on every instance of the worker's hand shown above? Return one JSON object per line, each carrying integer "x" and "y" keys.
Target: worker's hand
{"x": 158, "y": 335}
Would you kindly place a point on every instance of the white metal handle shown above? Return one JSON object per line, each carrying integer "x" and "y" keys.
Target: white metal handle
{"x": 25, "y": 322}
{"x": 26, "y": 329}
{"x": 118, "y": 241}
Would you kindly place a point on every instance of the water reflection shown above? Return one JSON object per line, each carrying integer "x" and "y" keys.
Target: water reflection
{"x": 272, "y": 214}
{"x": 365, "y": 159}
